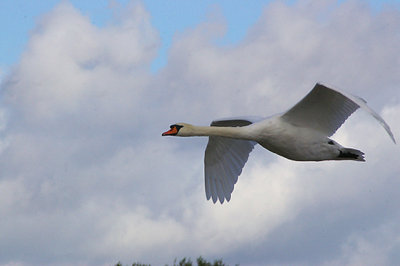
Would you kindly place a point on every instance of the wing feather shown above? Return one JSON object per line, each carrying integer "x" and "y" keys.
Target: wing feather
{"x": 325, "y": 109}
{"x": 220, "y": 190}
{"x": 224, "y": 160}
{"x": 208, "y": 187}
{"x": 214, "y": 193}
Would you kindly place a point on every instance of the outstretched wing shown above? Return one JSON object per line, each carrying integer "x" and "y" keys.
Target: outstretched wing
{"x": 224, "y": 160}
{"x": 325, "y": 109}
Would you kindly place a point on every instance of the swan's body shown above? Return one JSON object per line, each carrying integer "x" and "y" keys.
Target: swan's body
{"x": 300, "y": 134}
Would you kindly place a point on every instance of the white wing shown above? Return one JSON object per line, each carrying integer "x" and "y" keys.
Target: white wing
{"x": 224, "y": 160}
{"x": 326, "y": 109}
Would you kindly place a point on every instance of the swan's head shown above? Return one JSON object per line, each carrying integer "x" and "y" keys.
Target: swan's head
{"x": 179, "y": 129}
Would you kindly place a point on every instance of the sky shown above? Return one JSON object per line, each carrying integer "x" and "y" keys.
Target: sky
{"x": 87, "y": 88}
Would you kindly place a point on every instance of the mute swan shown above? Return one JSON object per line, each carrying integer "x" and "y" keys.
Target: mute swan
{"x": 299, "y": 134}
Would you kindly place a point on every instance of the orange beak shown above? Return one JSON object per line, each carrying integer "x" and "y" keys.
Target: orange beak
{"x": 172, "y": 131}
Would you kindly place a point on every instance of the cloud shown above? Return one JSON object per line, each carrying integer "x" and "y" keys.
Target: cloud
{"x": 87, "y": 178}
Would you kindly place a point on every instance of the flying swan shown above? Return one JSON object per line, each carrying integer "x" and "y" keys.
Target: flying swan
{"x": 300, "y": 134}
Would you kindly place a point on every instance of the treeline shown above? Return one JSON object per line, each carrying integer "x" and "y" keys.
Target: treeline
{"x": 186, "y": 262}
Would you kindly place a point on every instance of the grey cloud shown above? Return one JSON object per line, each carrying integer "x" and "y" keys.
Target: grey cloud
{"x": 87, "y": 178}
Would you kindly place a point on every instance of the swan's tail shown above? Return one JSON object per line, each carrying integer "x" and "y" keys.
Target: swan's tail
{"x": 351, "y": 154}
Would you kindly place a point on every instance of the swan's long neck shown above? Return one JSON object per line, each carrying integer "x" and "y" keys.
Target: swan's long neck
{"x": 229, "y": 132}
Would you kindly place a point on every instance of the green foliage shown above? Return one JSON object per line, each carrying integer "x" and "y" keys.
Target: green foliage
{"x": 202, "y": 262}
{"x": 186, "y": 262}
{"x": 133, "y": 264}
{"x": 183, "y": 262}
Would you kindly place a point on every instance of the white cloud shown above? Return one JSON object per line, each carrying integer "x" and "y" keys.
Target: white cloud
{"x": 87, "y": 178}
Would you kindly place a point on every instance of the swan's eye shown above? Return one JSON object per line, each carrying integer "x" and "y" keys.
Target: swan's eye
{"x": 177, "y": 127}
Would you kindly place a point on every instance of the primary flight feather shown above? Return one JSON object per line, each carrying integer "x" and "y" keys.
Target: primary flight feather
{"x": 301, "y": 134}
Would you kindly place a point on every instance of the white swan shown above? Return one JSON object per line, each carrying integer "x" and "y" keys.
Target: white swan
{"x": 300, "y": 134}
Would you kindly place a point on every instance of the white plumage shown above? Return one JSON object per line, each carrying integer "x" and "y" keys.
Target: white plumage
{"x": 301, "y": 134}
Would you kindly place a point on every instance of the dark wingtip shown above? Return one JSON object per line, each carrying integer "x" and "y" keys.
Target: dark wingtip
{"x": 351, "y": 154}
